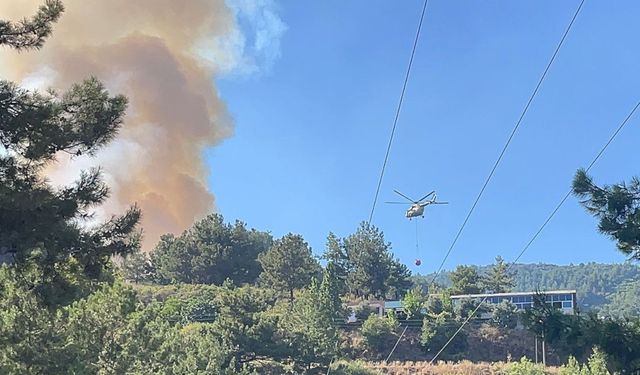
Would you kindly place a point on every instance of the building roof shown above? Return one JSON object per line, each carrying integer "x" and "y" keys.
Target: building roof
{"x": 392, "y": 304}
{"x": 513, "y": 294}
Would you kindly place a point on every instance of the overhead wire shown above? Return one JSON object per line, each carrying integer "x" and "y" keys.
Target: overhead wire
{"x": 398, "y": 108}
{"x": 541, "y": 228}
{"x": 506, "y": 145}
{"x": 391, "y": 137}
{"x": 396, "y": 345}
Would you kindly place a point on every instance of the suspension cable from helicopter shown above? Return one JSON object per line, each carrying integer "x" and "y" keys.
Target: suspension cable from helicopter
{"x": 417, "y": 242}
{"x": 504, "y": 148}
{"x": 544, "y": 224}
{"x": 395, "y": 121}
{"x": 399, "y": 107}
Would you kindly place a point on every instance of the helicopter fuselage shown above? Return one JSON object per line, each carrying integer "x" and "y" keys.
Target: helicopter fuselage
{"x": 415, "y": 210}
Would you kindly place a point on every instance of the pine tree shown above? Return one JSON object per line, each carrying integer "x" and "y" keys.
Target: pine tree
{"x": 465, "y": 280}
{"x": 399, "y": 280}
{"x": 370, "y": 260}
{"x": 499, "y": 279}
{"x": 288, "y": 264}
{"x": 335, "y": 255}
{"x": 210, "y": 252}
{"x": 617, "y": 207}
{"x": 331, "y": 288}
{"x": 42, "y": 229}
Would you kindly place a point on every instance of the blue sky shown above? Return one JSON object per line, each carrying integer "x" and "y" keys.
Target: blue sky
{"x": 311, "y": 130}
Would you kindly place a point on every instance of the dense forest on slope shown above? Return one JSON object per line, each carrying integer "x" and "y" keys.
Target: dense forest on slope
{"x": 612, "y": 289}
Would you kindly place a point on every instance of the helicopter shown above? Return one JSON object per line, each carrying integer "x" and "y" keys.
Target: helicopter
{"x": 417, "y": 207}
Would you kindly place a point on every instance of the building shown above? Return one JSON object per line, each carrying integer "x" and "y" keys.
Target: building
{"x": 564, "y": 300}
{"x": 374, "y": 306}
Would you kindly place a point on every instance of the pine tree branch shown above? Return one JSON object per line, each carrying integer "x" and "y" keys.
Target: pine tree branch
{"x": 29, "y": 34}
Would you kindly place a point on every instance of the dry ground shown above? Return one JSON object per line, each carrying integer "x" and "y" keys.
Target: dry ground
{"x": 441, "y": 368}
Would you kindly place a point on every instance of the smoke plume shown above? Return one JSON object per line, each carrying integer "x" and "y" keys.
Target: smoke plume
{"x": 163, "y": 55}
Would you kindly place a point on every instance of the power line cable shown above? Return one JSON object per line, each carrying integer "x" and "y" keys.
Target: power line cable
{"x": 504, "y": 149}
{"x": 396, "y": 345}
{"x": 544, "y": 224}
{"x": 395, "y": 120}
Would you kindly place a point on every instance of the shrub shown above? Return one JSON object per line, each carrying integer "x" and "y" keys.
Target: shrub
{"x": 596, "y": 365}
{"x": 504, "y": 315}
{"x": 572, "y": 367}
{"x": 525, "y": 367}
{"x": 377, "y": 331}
{"x": 350, "y": 368}
{"x": 436, "y": 331}
{"x": 362, "y": 312}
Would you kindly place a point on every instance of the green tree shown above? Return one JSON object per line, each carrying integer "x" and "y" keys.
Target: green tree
{"x": 505, "y": 315}
{"x": 399, "y": 280}
{"x": 370, "y": 260}
{"x": 617, "y": 207}
{"x": 244, "y": 321}
{"x": 413, "y": 304}
{"x": 437, "y": 330}
{"x": 438, "y": 303}
{"x": 308, "y": 328}
{"x": 28, "y": 336}
{"x": 378, "y": 332}
{"x": 91, "y": 328}
{"x": 136, "y": 267}
{"x": 331, "y": 287}
{"x": 499, "y": 279}
{"x": 465, "y": 280}
{"x": 336, "y": 255}
{"x": 288, "y": 264}
{"x": 210, "y": 252}
{"x": 544, "y": 320}
{"x": 40, "y": 225}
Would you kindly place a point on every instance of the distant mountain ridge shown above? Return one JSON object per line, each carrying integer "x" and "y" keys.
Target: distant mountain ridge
{"x": 612, "y": 289}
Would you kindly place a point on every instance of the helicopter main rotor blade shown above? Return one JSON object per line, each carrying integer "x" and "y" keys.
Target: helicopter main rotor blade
{"x": 404, "y": 196}
{"x": 428, "y": 203}
{"x": 397, "y": 202}
{"x": 426, "y": 196}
